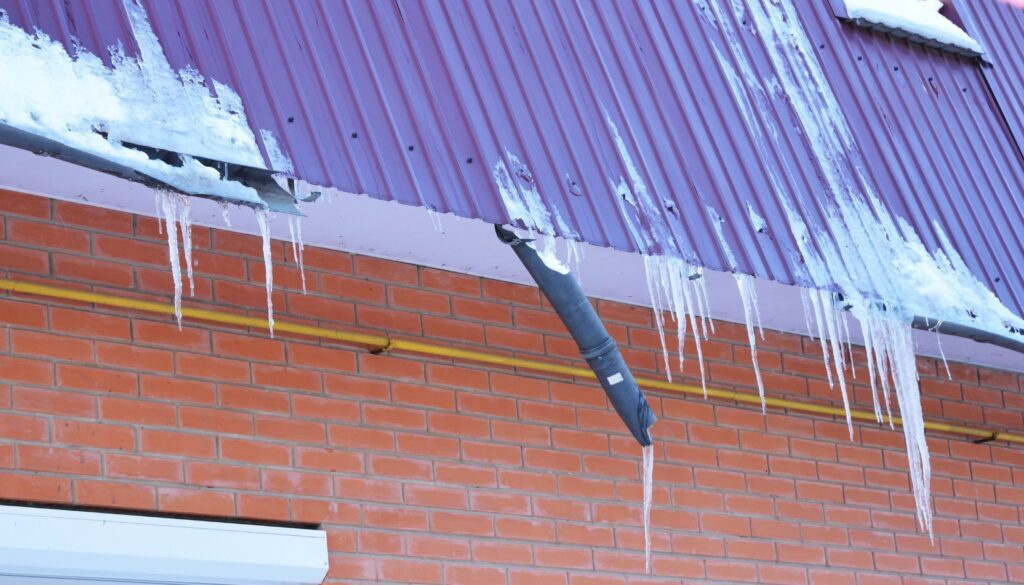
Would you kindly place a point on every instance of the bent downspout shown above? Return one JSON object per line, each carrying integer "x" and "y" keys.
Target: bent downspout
{"x": 596, "y": 346}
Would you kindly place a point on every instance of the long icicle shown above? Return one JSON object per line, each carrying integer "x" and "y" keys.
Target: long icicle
{"x": 185, "y": 220}
{"x": 169, "y": 209}
{"x": 749, "y": 297}
{"x": 263, "y": 218}
{"x": 648, "y": 457}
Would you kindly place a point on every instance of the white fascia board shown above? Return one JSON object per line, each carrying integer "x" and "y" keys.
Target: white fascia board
{"x": 39, "y": 545}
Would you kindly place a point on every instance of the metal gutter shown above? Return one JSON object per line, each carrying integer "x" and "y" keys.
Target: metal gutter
{"x": 384, "y": 343}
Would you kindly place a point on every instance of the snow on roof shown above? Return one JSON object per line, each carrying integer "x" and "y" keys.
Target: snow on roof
{"x": 920, "y": 18}
{"x": 80, "y": 102}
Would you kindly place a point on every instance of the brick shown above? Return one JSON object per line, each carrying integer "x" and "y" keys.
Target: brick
{"x": 177, "y": 443}
{"x": 435, "y": 497}
{"x": 295, "y": 482}
{"x": 22, "y": 313}
{"x": 89, "y": 323}
{"x": 291, "y": 430}
{"x": 388, "y": 319}
{"x": 168, "y": 335}
{"x": 410, "y": 571}
{"x": 472, "y": 575}
{"x": 453, "y": 329}
{"x": 357, "y": 387}
{"x": 212, "y": 368}
{"x": 134, "y": 357}
{"x": 505, "y": 553}
{"x": 321, "y": 357}
{"x": 219, "y": 475}
{"x": 419, "y": 300}
{"x": 109, "y": 494}
{"x": 177, "y": 389}
{"x": 28, "y": 371}
{"x": 92, "y": 270}
{"x": 212, "y": 419}
{"x": 142, "y": 467}
{"x": 324, "y": 309}
{"x": 262, "y": 507}
{"x": 97, "y": 435}
{"x": 393, "y": 416}
{"x": 248, "y": 347}
{"x": 258, "y": 452}
{"x": 459, "y": 523}
{"x": 51, "y": 401}
{"x": 97, "y": 379}
{"x": 402, "y": 467}
{"x": 58, "y": 460}
{"x": 255, "y": 399}
{"x": 326, "y": 459}
{"x": 440, "y": 547}
{"x": 46, "y": 235}
{"x": 195, "y": 501}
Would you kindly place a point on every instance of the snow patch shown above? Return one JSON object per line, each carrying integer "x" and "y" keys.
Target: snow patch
{"x": 524, "y": 204}
{"x": 279, "y": 161}
{"x": 919, "y": 17}
{"x": 80, "y": 102}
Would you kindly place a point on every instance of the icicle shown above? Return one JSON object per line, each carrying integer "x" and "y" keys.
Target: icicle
{"x": 819, "y": 320}
{"x": 865, "y": 327}
{"x": 648, "y": 457}
{"x": 159, "y": 211}
{"x": 685, "y": 285}
{"x": 831, "y": 322}
{"x": 295, "y": 230}
{"x": 435, "y": 220}
{"x": 302, "y": 248}
{"x": 652, "y": 269}
{"x": 746, "y": 287}
{"x": 705, "y": 311}
{"x": 849, "y": 344}
{"x": 224, "y": 213}
{"x": 805, "y": 302}
{"x": 263, "y": 218}
{"x": 185, "y": 219}
{"x": 938, "y": 339}
{"x": 169, "y": 210}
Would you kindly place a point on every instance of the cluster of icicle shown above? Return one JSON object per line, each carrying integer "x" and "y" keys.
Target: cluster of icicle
{"x": 174, "y": 211}
{"x": 891, "y": 360}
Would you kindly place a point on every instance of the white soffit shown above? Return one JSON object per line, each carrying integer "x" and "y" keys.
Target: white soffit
{"x": 49, "y": 546}
{"x": 363, "y": 225}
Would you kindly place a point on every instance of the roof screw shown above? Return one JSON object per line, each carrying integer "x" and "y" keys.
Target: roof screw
{"x": 411, "y": 148}
{"x": 469, "y": 161}
{"x": 355, "y": 135}
{"x": 291, "y": 119}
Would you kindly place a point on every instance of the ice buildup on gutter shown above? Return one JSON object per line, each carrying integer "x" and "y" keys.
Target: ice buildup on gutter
{"x": 81, "y": 103}
{"x": 919, "y": 18}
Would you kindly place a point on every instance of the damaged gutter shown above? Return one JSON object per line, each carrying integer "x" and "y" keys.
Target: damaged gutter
{"x": 596, "y": 346}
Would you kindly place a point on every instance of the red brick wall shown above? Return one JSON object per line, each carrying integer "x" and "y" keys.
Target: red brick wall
{"x": 425, "y": 470}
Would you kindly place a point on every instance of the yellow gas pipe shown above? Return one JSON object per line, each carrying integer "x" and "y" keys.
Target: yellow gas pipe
{"x": 382, "y": 342}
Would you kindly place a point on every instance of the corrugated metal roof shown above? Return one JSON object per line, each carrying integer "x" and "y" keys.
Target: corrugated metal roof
{"x": 416, "y": 101}
{"x": 999, "y": 25}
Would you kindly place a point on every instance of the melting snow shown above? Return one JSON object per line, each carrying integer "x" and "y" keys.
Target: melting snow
{"x": 920, "y": 17}
{"x": 524, "y": 204}
{"x": 278, "y": 160}
{"x": 878, "y": 261}
{"x": 47, "y": 92}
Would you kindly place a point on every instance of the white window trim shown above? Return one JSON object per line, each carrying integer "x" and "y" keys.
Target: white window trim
{"x": 42, "y": 546}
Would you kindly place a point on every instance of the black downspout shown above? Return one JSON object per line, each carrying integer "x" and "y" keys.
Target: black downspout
{"x": 585, "y": 327}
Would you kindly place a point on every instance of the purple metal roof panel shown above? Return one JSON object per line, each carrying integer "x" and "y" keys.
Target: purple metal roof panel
{"x": 416, "y": 101}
